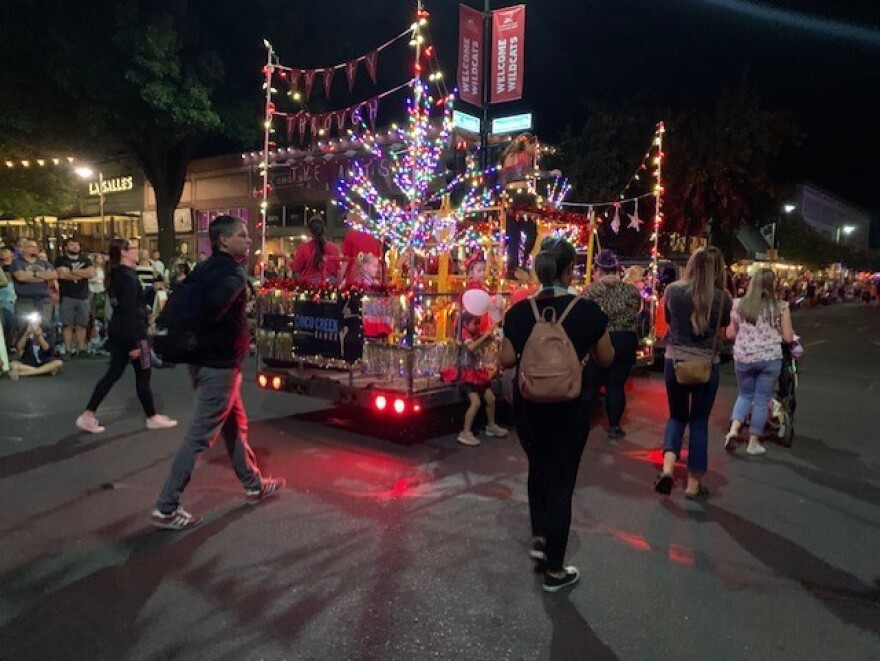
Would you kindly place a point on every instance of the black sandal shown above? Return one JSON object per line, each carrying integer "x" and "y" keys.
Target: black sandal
{"x": 663, "y": 484}
{"x": 701, "y": 492}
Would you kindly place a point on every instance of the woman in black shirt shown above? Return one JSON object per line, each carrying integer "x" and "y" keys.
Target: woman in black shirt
{"x": 553, "y": 435}
{"x": 127, "y": 339}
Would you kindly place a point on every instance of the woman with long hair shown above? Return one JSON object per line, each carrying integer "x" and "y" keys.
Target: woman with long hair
{"x": 127, "y": 338}
{"x": 316, "y": 261}
{"x": 760, "y": 324}
{"x": 695, "y": 307}
{"x": 554, "y": 434}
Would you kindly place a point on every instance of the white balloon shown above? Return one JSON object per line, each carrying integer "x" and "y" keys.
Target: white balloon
{"x": 476, "y": 301}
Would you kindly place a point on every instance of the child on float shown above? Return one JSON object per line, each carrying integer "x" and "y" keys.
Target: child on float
{"x": 477, "y": 378}
{"x": 366, "y": 271}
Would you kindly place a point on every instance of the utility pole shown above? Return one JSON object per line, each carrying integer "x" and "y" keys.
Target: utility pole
{"x": 487, "y": 63}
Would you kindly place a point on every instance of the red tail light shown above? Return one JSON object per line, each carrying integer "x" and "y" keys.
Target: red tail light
{"x": 399, "y": 406}
{"x": 276, "y": 383}
{"x": 380, "y": 403}
{"x": 263, "y": 380}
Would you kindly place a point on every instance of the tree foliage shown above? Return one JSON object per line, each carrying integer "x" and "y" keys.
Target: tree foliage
{"x": 138, "y": 75}
{"x": 799, "y": 243}
{"x": 718, "y": 161}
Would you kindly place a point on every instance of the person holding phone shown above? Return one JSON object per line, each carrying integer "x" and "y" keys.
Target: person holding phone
{"x": 127, "y": 339}
{"x": 36, "y": 354}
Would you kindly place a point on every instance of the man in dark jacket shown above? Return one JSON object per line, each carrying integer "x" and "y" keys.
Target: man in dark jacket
{"x": 223, "y": 341}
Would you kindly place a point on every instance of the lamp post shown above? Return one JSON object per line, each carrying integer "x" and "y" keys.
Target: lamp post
{"x": 845, "y": 229}
{"x": 87, "y": 174}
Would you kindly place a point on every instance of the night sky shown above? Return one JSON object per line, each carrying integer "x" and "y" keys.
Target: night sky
{"x": 820, "y": 61}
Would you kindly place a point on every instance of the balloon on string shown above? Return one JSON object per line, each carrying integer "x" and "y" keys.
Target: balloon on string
{"x": 476, "y": 301}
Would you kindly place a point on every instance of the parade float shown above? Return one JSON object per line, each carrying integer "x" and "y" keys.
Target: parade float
{"x": 389, "y": 349}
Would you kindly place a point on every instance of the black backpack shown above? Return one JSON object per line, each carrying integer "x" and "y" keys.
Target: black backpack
{"x": 176, "y": 340}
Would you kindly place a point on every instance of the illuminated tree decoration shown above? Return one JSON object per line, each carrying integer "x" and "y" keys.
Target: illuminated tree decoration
{"x": 413, "y": 169}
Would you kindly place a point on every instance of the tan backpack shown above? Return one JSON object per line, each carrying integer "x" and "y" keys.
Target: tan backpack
{"x": 549, "y": 369}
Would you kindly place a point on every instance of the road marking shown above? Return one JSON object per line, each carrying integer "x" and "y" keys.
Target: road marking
{"x": 812, "y": 344}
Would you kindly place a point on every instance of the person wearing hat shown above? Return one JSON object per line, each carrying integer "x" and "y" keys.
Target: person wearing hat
{"x": 621, "y": 302}
{"x": 316, "y": 261}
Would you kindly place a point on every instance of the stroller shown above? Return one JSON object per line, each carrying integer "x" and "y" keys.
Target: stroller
{"x": 780, "y": 421}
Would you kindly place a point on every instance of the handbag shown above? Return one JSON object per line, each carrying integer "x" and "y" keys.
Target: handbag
{"x": 698, "y": 372}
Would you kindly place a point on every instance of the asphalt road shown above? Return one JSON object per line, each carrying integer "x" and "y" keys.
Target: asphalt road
{"x": 378, "y": 551}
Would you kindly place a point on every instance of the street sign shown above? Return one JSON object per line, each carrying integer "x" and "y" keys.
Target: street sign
{"x": 465, "y": 122}
{"x": 512, "y": 124}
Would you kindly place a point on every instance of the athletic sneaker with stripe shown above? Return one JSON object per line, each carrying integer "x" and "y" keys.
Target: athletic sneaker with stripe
{"x": 269, "y": 486}
{"x": 179, "y": 519}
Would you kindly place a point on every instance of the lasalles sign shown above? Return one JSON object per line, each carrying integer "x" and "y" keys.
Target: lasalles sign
{"x": 113, "y": 185}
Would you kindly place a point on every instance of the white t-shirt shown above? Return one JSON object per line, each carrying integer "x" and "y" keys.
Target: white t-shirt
{"x": 96, "y": 282}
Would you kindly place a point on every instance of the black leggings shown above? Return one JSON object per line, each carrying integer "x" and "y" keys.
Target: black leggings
{"x": 553, "y": 437}
{"x": 615, "y": 375}
{"x": 118, "y": 360}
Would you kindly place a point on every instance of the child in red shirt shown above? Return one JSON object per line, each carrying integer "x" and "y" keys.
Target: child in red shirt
{"x": 477, "y": 379}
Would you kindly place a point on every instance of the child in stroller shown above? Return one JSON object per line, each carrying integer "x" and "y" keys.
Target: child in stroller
{"x": 780, "y": 420}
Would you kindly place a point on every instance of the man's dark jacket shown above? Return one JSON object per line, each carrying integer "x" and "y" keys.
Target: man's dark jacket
{"x": 223, "y": 335}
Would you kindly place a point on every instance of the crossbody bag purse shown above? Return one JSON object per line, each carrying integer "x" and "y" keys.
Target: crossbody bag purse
{"x": 699, "y": 371}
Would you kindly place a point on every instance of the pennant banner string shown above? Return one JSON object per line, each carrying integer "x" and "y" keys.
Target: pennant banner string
{"x": 349, "y": 108}
{"x": 343, "y": 65}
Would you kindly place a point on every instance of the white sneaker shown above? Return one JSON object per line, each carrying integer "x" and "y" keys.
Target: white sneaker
{"x": 159, "y": 421}
{"x": 495, "y": 430}
{"x": 467, "y": 438}
{"x": 730, "y": 441}
{"x": 89, "y": 424}
{"x": 756, "y": 449}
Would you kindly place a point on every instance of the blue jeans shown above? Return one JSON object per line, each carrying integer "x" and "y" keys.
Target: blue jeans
{"x": 689, "y": 405}
{"x": 757, "y": 381}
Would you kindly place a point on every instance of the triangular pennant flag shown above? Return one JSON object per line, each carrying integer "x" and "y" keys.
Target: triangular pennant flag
{"x": 373, "y": 110}
{"x": 356, "y": 117}
{"x": 350, "y": 72}
{"x": 313, "y": 124}
{"x": 294, "y": 79}
{"x": 327, "y": 121}
{"x": 302, "y": 122}
{"x": 291, "y": 119}
{"x": 341, "y": 116}
{"x": 328, "y": 81}
{"x": 309, "y": 77}
{"x": 371, "y": 60}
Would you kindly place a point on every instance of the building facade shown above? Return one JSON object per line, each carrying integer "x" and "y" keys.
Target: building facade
{"x": 831, "y": 216}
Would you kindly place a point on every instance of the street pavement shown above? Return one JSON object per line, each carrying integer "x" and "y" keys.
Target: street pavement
{"x": 380, "y": 551}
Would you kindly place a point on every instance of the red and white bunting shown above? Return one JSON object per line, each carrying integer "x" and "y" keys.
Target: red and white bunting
{"x": 373, "y": 111}
{"x": 313, "y": 124}
{"x": 341, "y": 116}
{"x": 291, "y": 120}
{"x": 309, "y": 76}
{"x": 328, "y": 81}
{"x": 302, "y": 122}
{"x": 294, "y": 79}
{"x": 371, "y": 60}
{"x": 350, "y": 72}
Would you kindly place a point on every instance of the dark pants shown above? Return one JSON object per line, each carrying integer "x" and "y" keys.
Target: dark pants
{"x": 689, "y": 406}
{"x": 515, "y": 229}
{"x": 218, "y": 410}
{"x": 553, "y": 437}
{"x": 118, "y": 360}
{"x": 615, "y": 375}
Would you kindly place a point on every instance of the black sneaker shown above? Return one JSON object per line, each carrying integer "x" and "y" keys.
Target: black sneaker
{"x": 616, "y": 433}
{"x": 179, "y": 519}
{"x": 538, "y": 550}
{"x": 553, "y": 584}
{"x": 269, "y": 487}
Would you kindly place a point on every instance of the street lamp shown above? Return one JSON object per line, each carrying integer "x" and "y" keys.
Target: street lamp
{"x": 788, "y": 208}
{"x": 87, "y": 173}
{"x": 846, "y": 229}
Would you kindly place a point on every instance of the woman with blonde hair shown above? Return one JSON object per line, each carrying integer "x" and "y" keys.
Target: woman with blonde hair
{"x": 760, "y": 324}
{"x": 695, "y": 307}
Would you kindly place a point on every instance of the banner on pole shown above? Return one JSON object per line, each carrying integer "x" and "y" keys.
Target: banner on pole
{"x": 470, "y": 55}
{"x": 508, "y": 53}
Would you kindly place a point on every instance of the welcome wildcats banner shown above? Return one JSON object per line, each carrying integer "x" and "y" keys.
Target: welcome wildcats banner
{"x": 508, "y": 53}
{"x": 470, "y": 55}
